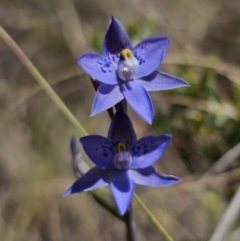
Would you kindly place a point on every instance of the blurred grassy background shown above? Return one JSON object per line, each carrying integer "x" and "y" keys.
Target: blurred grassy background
{"x": 35, "y": 162}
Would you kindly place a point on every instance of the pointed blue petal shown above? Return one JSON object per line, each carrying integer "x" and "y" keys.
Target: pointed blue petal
{"x": 121, "y": 129}
{"x": 106, "y": 97}
{"x": 149, "y": 177}
{"x": 116, "y": 38}
{"x": 122, "y": 188}
{"x": 98, "y": 68}
{"x": 150, "y": 54}
{"x": 161, "y": 81}
{"x": 99, "y": 149}
{"x": 138, "y": 98}
{"x": 94, "y": 178}
{"x": 148, "y": 150}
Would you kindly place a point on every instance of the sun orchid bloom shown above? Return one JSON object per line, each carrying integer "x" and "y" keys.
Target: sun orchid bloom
{"x": 128, "y": 72}
{"x": 122, "y": 161}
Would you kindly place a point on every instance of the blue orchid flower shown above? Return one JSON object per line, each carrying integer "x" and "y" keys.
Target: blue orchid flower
{"x": 122, "y": 161}
{"x": 127, "y": 72}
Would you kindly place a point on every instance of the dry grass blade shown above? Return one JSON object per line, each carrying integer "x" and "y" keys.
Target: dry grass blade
{"x": 220, "y": 166}
{"x": 228, "y": 218}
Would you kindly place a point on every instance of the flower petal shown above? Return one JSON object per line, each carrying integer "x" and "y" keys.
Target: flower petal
{"x": 161, "y": 81}
{"x": 116, "y": 38}
{"x": 148, "y": 150}
{"x": 99, "y": 149}
{"x": 138, "y": 98}
{"x": 149, "y": 177}
{"x": 122, "y": 188}
{"x": 121, "y": 129}
{"x": 150, "y": 54}
{"x": 106, "y": 97}
{"x": 98, "y": 67}
{"x": 94, "y": 178}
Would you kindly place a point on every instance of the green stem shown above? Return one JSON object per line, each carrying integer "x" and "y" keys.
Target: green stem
{"x": 153, "y": 220}
{"x": 41, "y": 81}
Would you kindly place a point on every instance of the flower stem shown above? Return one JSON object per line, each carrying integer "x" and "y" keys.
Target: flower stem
{"x": 131, "y": 234}
{"x": 153, "y": 220}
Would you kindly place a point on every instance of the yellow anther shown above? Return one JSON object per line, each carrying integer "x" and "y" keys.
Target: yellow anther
{"x": 126, "y": 54}
{"x": 121, "y": 147}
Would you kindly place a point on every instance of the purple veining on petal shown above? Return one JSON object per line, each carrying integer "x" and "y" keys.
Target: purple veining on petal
{"x": 148, "y": 150}
{"x": 99, "y": 149}
{"x": 150, "y": 53}
{"x": 99, "y": 68}
{"x": 106, "y": 66}
{"x": 139, "y": 58}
